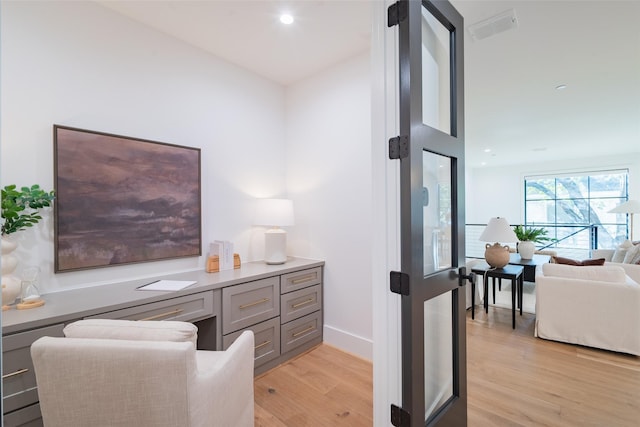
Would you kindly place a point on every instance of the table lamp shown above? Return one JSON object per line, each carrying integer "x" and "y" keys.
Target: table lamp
{"x": 274, "y": 213}
{"x": 497, "y": 230}
{"x": 629, "y": 207}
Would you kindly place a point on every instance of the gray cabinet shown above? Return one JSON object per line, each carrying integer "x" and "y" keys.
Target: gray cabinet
{"x": 19, "y": 391}
{"x": 301, "y": 331}
{"x": 284, "y": 312}
{"x": 187, "y": 308}
{"x": 266, "y": 340}
{"x": 282, "y": 305}
{"x": 300, "y": 303}
{"x": 250, "y": 303}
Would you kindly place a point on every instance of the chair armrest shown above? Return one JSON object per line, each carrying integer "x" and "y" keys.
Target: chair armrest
{"x": 228, "y": 375}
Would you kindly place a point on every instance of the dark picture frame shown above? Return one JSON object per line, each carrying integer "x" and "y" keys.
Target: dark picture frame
{"x": 123, "y": 200}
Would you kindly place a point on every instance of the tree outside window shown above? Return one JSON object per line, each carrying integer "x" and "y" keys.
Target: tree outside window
{"x": 567, "y": 204}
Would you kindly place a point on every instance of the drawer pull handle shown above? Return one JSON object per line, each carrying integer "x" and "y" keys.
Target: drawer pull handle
{"x": 305, "y": 302}
{"x": 262, "y": 345}
{"x": 159, "y": 316}
{"x": 251, "y": 304}
{"x": 13, "y": 374}
{"x": 303, "y": 279}
{"x": 304, "y": 331}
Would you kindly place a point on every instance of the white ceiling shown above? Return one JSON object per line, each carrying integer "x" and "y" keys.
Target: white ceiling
{"x": 512, "y": 106}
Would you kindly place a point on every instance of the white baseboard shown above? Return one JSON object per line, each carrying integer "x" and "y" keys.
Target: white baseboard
{"x": 346, "y": 341}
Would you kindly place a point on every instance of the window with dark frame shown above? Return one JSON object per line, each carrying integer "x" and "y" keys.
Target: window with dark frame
{"x": 569, "y": 205}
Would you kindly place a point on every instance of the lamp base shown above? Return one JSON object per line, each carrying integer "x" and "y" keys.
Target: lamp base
{"x": 496, "y": 255}
{"x": 275, "y": 246}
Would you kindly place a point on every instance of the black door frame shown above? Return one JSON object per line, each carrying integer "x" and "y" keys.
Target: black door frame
{"x": 412, "y": 283}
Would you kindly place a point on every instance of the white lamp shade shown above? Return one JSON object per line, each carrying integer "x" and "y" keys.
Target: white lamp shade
{"x": 498, "y": 230}
{"x": 274, "y": 212}
{"x": 630, "y": 206}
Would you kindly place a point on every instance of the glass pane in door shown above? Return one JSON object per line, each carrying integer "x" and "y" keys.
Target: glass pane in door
{"x": 436, "y": 182}
{"x": 438, "y": 353}
{"x": 436, "y": 73}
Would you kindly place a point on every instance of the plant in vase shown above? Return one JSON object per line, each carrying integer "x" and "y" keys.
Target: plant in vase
{"x": 528, "y": 237}
{"x": 20, "y": 209}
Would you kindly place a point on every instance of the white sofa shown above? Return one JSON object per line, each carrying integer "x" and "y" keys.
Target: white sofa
{"x": 595, "y": 306}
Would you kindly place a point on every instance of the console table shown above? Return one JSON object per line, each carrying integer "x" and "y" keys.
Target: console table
{"x": 529, "y": 264}
{"x": 281, "y": 304}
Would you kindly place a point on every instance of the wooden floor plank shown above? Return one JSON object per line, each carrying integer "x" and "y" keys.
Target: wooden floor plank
{"x": 513, "y": 379}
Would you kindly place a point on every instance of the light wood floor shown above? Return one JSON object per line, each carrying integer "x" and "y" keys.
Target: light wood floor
{"x": 513, "y": 379}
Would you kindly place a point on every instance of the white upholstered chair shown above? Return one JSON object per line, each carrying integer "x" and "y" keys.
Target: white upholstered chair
{"x": 127, "y": 373}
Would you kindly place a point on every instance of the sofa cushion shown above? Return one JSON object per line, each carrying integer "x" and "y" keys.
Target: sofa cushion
{"x": 611, "y": 274}
{"x": 132, "y": 330}
{"x": 621, "y": 251}
{"x": 569, "y": 261}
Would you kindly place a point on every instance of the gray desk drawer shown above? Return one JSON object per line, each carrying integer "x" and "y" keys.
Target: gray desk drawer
{"x": 18, "y": 378}
{"x": 300, "y": 303}
{"x": 188, "y": 308}
{"x": 250, "y": 303}
{"x": 25, "y": 417}
{"x": 301, "y": 279}
{"x": 300, "y": 331}
{"x": 266, "y": 338}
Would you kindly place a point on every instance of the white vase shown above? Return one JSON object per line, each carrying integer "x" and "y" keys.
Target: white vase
{"x": 10, "y": 283}
{"x": 526, "y": 249}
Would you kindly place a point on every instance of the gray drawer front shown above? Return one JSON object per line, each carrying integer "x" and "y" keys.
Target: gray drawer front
{"x": 188, "y": 308}
{"x": 25, "y": 417}
{"x": 250, "y": 303}
{"x": 18, "y": 377}
{"x": 300, "y": 331}
{"x": 300, "y": 303}
{"x": 266, "y": 337}
{"x": 301, "y": 279}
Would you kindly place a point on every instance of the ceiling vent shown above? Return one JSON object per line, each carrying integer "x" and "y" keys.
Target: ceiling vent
{"x": 496, "y": 24}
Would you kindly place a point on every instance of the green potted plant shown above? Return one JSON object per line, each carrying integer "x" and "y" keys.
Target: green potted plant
{"x": 20, "y": 207}
{"x": 528, "y": 237}
{"x": 19, "y": 211}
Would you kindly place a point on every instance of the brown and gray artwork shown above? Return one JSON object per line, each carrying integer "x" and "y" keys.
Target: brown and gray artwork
{"x": 121, "y": 200}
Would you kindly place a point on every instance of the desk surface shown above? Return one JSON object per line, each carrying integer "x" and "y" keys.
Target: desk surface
{"x": 74, "y": 304}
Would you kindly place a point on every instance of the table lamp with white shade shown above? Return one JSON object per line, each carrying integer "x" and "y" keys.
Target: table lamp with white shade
{"x": 629, "y": 207}
{"x": 274, "y": 213}
{"x": 497, "y": 230}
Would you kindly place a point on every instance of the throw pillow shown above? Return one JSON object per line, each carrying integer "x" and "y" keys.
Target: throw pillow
{"x": 597, "y": 261}
{"x": 569, "y": 261}
{"x": 632, "y": 254}
{"x": 619, "y": 254}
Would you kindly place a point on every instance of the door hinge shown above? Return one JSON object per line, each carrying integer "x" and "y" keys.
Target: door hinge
{"x": 399, "y": 282}
{"x": 396, "y": 13}
{"x": 399, "y": 147}
{"x": 400, "y": 417}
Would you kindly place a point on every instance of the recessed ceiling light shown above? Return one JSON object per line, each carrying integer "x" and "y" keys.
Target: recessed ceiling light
{"x": 561, "y": 87}
{"x": 483, "y": 163}
{"x": 286, "y": 19}
{"x": 487, "y": 150}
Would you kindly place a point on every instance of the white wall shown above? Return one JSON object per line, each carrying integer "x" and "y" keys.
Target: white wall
{"x": 499, "y": 191}
{"x": 329, "y": 178}
{"x": 81, "y": 65}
